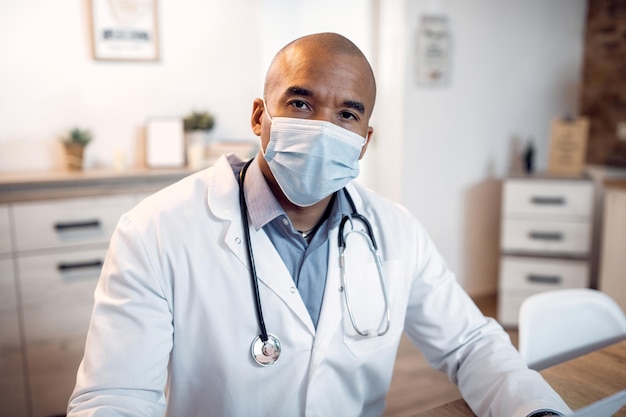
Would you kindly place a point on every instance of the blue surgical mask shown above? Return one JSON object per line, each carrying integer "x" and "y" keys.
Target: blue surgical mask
{"x": 311, "y": 159}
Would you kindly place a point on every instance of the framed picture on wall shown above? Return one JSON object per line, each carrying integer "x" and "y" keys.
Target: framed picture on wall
{"x": 124, "y": 30}
{"x": 433, "y": 51}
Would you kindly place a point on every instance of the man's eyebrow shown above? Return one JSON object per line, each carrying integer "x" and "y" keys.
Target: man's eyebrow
{"x": 298, "y": 91}
{"x": 355, "y": 105}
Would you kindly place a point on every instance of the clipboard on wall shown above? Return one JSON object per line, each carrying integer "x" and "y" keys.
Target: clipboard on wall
{"x": 568, "y": 146}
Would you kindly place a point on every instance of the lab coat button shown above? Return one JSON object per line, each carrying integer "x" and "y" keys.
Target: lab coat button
{"x": 238, "y": 241}
{"x": 292, "y": 289}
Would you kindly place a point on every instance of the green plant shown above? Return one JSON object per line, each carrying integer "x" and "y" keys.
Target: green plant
{"x": 199, "y": 120}
{"x": 77, "y": 136}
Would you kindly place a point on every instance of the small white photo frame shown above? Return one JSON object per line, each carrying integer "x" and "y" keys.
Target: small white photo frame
{"x": 165, "y": 142}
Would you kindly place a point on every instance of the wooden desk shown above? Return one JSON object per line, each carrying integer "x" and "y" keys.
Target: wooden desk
{"x": 579, "y": 381}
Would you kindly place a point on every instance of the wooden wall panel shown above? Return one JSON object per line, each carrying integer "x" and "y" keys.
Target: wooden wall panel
{"x": 603, "y": 97}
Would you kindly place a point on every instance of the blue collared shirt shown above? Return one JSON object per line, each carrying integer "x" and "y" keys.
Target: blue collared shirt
{"x": 307, "y": 262}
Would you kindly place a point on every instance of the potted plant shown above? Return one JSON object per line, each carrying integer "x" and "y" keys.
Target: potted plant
{"x": 197, "y": 126}
{"x": 199, "y": 120}
{"x": 74, "y": 142}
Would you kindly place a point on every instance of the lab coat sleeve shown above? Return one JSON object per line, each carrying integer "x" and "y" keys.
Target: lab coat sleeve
{"x": 474, "y": 351}
{"x": 124, "y": 369}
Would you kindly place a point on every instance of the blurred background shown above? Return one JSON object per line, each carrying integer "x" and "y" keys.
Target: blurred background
{"x": 442, "y": 146}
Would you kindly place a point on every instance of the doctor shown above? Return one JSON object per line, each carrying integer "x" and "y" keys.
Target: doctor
{"x": 176, "y": 310}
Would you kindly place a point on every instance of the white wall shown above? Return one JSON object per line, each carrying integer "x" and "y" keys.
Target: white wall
{"x": 515, "y": 66}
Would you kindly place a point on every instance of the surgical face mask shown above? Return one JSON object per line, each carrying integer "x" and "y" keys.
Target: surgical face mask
{"x": 311, "y": 159}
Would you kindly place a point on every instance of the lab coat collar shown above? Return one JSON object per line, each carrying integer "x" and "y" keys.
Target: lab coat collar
{"x": 223, "y": 190}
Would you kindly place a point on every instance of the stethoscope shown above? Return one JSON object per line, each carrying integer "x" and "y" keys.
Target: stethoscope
{"x": 266, "y": 347}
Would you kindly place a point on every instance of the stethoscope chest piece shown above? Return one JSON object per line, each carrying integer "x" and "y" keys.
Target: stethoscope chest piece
{"x": 266, "y": 353}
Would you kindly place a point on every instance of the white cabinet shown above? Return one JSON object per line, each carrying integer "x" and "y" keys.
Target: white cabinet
{"x": 54, "y": 236}
{"x": 60, "y": 247}
{"x": 545, "y": 239}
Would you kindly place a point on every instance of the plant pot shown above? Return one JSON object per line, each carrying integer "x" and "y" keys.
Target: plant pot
{"x": 197, "y": 141}
{"x": 74, "y": 156}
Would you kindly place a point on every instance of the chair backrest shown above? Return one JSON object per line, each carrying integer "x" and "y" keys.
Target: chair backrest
{"x": 555, "y": 326}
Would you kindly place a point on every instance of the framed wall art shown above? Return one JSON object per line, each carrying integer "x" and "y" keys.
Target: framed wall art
{"x": 124, "y": 30}
{"x": 433, "y": 51}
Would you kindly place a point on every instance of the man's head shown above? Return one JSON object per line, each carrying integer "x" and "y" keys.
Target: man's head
{"x": 322, "y": 77}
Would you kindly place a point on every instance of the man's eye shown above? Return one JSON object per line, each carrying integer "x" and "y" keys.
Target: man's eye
{"x": 299, "y": 104}
{"x": 346, "y": 115}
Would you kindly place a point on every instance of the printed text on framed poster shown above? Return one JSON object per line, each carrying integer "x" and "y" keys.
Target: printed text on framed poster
{"x": 124, "y": 30}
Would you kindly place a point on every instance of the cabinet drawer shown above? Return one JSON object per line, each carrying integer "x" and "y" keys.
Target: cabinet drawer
{"x": 5, "y": 230}
{"x": 57, "y": 299}
{"x": 57, "y": 293}
{"x": 52, "y": 224}
{"x": 548, "y": 237}
{"x": 539, "y": 274}
{"x": 548, "y": 197}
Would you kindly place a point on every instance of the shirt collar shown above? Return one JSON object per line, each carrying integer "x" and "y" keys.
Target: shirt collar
{"x": 262, "y": 205}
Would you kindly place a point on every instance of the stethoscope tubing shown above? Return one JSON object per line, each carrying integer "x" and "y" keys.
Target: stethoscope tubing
{"x": 253, "y": 276}
{"x": 369, "y": 238}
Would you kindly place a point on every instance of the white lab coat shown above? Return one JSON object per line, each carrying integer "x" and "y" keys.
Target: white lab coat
{"x": 174, "y": 319}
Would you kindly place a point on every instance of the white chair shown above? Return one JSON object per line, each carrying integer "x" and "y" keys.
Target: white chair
{"x": 555, "y": 326}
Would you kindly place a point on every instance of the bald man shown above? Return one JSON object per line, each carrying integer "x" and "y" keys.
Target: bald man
{"x": 280, "y": 287}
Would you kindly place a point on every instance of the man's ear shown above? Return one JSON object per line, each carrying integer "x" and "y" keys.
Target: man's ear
{"x": 368, "y": 138}
{"x": 257, "y": 114}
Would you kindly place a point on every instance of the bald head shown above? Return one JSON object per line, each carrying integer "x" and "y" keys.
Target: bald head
{"x": 326, "y": 45}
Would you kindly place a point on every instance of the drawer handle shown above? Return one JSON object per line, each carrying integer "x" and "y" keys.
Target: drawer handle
{"x": 544, "y": 279}
{"x": 548, "y": 201}
{"x": 546, "y": 235}
{"x": 87, "y": 224}
{"x": 71, "y": 266}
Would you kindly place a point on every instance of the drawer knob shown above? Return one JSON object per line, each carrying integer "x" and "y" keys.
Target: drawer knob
{"x": 553, "y": 236}
{"x": 86, "y": 224}
{"x": 544, "y": 279}
{"x": 548, "y": 201}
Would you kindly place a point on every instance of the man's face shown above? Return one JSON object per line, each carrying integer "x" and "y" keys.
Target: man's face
{"x": 308, "y": 83}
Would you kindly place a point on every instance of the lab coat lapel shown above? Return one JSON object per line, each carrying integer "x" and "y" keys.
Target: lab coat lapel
{"x": 272, "y": 272}
{"x": 332, "y": 306}
{"x": 223, "y": 202}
